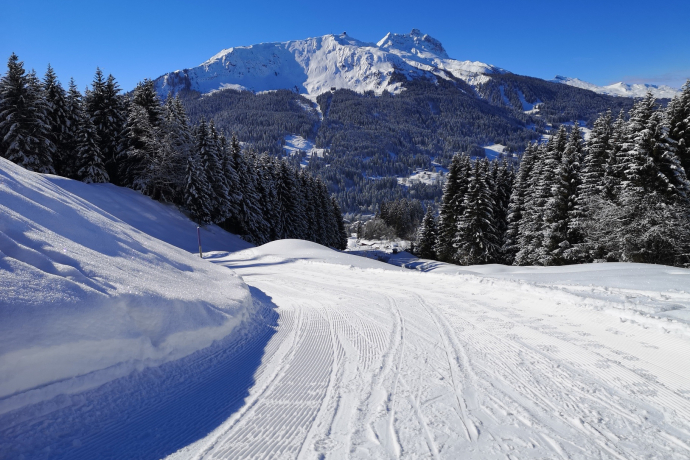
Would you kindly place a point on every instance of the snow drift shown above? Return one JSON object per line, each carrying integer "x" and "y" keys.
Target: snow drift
{"x": 85, "y": 297}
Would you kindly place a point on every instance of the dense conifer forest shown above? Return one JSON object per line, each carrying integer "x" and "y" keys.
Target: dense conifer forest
{"x": 370, "y": 140}
{"x": 136, "y": 141}
{"x": 623, "y": 195}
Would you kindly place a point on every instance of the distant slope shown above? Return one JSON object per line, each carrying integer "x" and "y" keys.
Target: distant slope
{"x": 85, "y": 297}
{"x": 620, "y": 88}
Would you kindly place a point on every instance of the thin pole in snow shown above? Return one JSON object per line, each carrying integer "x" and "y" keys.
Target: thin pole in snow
{"x": 198, "y": 237}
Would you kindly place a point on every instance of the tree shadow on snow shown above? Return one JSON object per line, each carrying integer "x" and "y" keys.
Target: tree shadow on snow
{"x": 151, "y": 413}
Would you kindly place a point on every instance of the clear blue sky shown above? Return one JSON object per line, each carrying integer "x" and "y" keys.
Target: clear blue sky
{"x": 598, "y": 41}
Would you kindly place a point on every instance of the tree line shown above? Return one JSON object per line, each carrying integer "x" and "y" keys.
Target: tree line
{"x": 137, "y": 141}
{"x": 623, "y": 195}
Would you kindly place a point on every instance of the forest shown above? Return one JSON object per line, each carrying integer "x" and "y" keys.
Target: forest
{"x": 623, "y": 195}
{"x": 135, "y": 140}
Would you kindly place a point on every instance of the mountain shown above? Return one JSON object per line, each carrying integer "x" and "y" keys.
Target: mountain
{"x": 377, "y": 112}
{"x": 316, "y": 65}
{"x": 620, "y": 88}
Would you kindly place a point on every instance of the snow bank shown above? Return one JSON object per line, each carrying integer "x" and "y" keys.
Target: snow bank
{"x": 305, "y": 251}
{"x": 86, "y": 296}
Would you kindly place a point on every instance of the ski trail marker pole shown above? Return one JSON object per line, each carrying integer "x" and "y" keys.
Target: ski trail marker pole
{"x": 198, "y": 237}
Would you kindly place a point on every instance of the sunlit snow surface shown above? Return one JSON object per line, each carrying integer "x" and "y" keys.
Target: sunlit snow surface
{"x": 347, "y": 357}
{"x": 621, "y": 88}
{"x": 316, "y": 65}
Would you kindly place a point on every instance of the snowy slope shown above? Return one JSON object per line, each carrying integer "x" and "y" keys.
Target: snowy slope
{"x": 364, "y": 360}
{"x": 85, "y": 297}
{"x": 371, "y": 362}
{"x": 315, "y": 65}
{"x": 621, "y": 89}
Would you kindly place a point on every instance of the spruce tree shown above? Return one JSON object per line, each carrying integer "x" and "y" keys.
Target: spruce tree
{"x": 476, "y": 241}
{"x": 250, "y": 222}
{"x": 57, "y": 117}
{"x": 342, "y": 236}
{"x": 74, "y": 114}
{"x": 452, "y": 206}
{"x": 209, "y": 149}
{"x": 516, "y": 206}
{"x": 91, "y": 165}
{"x": 558, "y": 235}
{"x": 24, "y": 126}
{"x": 678, "y": 120}
{"x": 197, "y": 191}
{"x": 502, "y": 185}
{"x": 426, "y": 242}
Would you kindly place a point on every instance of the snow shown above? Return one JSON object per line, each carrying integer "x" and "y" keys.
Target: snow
{"x": 494, "y": 151}
{"x": 374, "y": 362}
{"x": 341, "y": 356}
{"x": 422, "y": 176}
{"x": 87, "y": 295}
{"x": 294, "y": 144}
{"x": 316, "y": 65}
{"x": 621, "y": 89}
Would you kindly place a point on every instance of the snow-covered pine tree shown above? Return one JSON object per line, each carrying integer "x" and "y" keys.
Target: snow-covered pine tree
{"x": 476, "y": 241}
{"x": 307, "y": 187}
{"x": 342, "y": 236}
{"x": 136, "y": 161}
{"x": 74, "y": 113}
{"x": 232, "y": 180}
{"x": 502, "y": 179}
{"x": 326, "y": 215}
{"x": 24, "y": 126}
{"x": 107, "y": 111}
{"x": 56, "y": 114}
{"x": 426, "y": 241}
{"x": 211, "y": 157}
{"x": 678, "y": 120}
{"x": 540, "y": 185}
{"x": 452, "y": 206}
{"x": 249, "y": 223}
{"x": 653, "y": 211}
{"x": 197, "y": 191}
{"x": 291, "y": 209}
{"x": 559, "y": 235}
{"x": 91, "y": 165}
{"x": 516, "y": 206}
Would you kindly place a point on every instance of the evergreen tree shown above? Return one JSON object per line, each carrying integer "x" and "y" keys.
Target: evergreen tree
{"x": 559, "y": 235}
{"x": 56, "y": 115}
{"x": 24, "y": 126}
{"x": 678, "y": 116}
{"x": 476, "y": 240}
{"x": 209, "y": 150}
{"x": 197, "y": 191}
{"x": 516, "y": 206}
{"x": 74, "y": 114}
{"x": 91, "y": 166}
{"x": 502, "y": 185}
{"x": 250, "y": 222}
{"x": 452, "y": 206}
{"x": 426, "y": 242}
{"x": 342, "y": 236}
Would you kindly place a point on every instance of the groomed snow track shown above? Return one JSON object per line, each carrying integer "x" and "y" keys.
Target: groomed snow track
{"x": 368, "y": 363}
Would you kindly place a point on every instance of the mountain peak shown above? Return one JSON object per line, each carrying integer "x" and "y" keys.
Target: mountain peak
{"x": 415, "y": 42}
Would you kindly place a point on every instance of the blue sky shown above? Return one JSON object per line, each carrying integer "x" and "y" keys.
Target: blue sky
{"x": 598, "y": 41}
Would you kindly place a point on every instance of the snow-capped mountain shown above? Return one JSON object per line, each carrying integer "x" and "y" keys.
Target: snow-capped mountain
{"x": 315, "y": 65}
{"x": 621, "y": 88}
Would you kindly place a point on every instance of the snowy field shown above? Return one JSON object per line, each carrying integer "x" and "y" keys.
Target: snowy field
{"x": 339, "y": 356}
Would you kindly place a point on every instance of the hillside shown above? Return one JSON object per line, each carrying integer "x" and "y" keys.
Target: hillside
{"x": 89, "y": 290}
